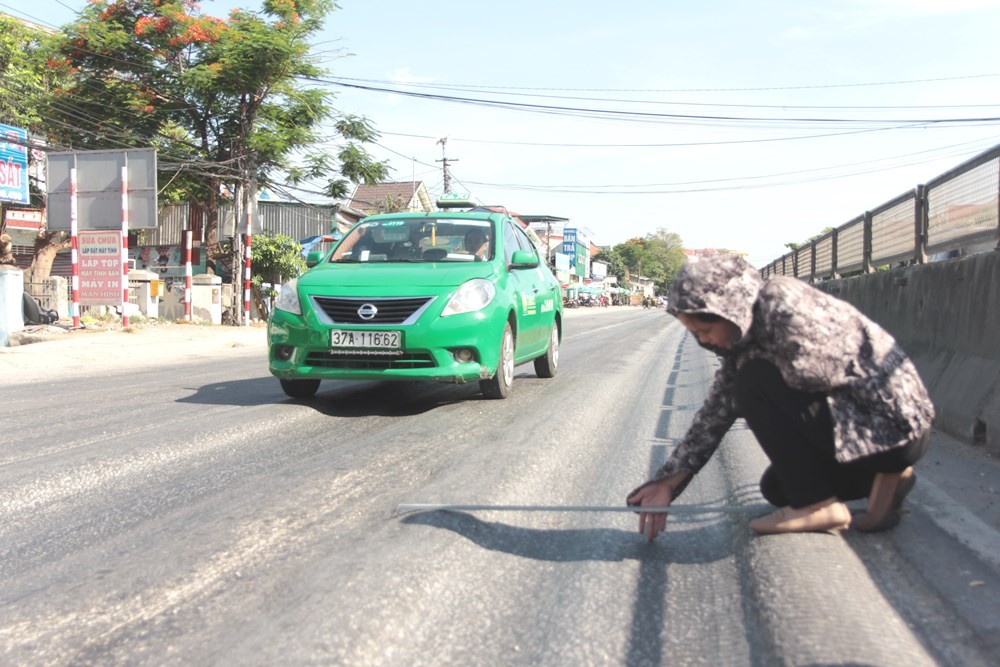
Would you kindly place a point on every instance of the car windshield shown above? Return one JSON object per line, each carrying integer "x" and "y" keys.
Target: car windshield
{"x": 417, "y": 240}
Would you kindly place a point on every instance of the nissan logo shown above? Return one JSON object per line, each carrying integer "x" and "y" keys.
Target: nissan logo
{"x": 367, "y": 311}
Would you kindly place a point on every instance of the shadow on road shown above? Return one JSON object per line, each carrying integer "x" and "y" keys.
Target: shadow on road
{"x": 387, "y": 399}
{"x": 338, "y": 399}
{"x": 696, "y": 545}
{"x": 242, "y": 393}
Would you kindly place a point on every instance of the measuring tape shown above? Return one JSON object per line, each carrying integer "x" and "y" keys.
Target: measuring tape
{"x": 685, "y": 510}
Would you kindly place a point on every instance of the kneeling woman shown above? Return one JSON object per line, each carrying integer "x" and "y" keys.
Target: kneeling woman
{"x": 834, "y": 402}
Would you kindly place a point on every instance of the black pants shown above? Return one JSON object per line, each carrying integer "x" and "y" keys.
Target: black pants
{"x": 795, "y": 430}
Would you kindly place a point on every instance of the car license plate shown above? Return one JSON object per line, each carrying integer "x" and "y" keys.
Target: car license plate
{"x": 381, "y": 340}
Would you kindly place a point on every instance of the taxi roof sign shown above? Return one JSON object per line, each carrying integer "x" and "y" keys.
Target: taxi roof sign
{"x": 455, "y": 200}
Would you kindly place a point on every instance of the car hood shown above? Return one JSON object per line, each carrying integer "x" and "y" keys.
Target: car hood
{"x": 394, "y": 275}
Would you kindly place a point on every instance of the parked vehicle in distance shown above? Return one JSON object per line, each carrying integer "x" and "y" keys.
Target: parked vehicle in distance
{"x": 449, "y": 296}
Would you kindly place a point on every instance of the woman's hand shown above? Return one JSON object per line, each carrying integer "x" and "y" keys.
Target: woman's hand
{"x": 657, "y": 493}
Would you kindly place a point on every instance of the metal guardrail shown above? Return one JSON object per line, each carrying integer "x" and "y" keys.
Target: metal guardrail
{"x": 956, "y": 210}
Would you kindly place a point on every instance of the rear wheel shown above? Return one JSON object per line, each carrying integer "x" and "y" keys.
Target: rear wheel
{"x": 499, "y": 385}
{"x": 546, "y": 365}
{"x": 300, "y": 388}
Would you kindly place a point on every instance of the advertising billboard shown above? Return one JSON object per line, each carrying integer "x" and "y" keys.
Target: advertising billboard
{"x": 99, "y": 188}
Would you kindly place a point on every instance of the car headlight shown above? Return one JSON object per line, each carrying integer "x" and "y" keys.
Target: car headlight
{"x": 474, "y": 295}
{"x": 288, "y": 298}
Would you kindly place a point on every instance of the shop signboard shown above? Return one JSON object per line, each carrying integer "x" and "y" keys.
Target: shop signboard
{"x": 13, "y": 164}
{"x": 100, "y": 268}
{"x": 582, "y": 260}
{"x": 23, "y": 218}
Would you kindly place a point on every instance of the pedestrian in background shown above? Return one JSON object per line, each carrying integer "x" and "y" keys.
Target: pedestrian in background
{"x": 834, "y": 402}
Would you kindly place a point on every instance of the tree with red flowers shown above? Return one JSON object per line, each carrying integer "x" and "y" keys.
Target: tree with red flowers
{"x": 222, "y": 100}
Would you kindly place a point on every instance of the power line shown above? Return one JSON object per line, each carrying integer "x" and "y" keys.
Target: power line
{"x": 645, "y": 116}
{"x": 695, "y": 90}
{"x": 963, "y": 145}
{"x": 502, "y": 90}
{"x": 495, "y": 87}
{"x": 721, "y": 188}
{"x": 681, "y": 144}
{"x": 122, "y": 137}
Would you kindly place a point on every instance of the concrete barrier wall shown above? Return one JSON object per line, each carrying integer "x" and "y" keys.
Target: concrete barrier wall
{"x": 946, "y": 315}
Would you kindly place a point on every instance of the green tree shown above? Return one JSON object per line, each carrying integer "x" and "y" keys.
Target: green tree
{"x": 276, "y": 259}
{"x": 221, "y": 100}
{"x": 21, "y": 75}
{"x": 617, "y": 266}
{"x": 633, "y": 253}
{"x": 657, "y": 256}
{"x": 25, "y": 85}
{"x": 668, "y": 250}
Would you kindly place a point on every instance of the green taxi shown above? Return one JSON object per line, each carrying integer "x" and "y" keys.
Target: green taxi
{"x": 449, "y": 296}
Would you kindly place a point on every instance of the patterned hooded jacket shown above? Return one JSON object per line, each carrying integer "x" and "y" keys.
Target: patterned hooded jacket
{"x": 819, "y": 344}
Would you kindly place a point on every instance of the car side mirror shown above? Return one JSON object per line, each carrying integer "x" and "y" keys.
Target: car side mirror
{"x": 314, "y": 258}
{"x": 523, "y": 259}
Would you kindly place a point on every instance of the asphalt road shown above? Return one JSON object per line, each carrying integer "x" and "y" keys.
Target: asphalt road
{"x": 191, "y": 514}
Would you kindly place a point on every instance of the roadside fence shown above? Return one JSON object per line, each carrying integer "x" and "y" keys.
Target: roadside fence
{"x": 955, "y": 211}
{"x": 57, "y": 294}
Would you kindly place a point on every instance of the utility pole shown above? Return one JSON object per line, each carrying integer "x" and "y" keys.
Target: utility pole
{"x": 444, "y": 166}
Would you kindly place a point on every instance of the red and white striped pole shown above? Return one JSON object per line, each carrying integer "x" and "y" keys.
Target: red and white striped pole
{"x": 124, "y": 276}
{"x": 246, "y": 280}
{"x": 187, "y": 274}
{"x": 74, "y": 250}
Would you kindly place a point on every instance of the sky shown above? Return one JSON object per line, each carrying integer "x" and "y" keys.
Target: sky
{"x": 733, "y": 124}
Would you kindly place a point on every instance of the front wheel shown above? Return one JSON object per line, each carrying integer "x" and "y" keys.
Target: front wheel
{"x": 299, "y": 388}
{"x": 499, "y": 385}
{"x": 546, "y": 365}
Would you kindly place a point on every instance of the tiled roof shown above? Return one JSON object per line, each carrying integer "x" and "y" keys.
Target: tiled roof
{"x": 367, "y": 197}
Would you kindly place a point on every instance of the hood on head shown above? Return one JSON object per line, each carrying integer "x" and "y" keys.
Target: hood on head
{"x": 723, "y": 285}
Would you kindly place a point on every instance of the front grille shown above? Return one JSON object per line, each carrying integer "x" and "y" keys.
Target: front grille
{"x": 369, "y": 361}
{"x": 390, "y": 311}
